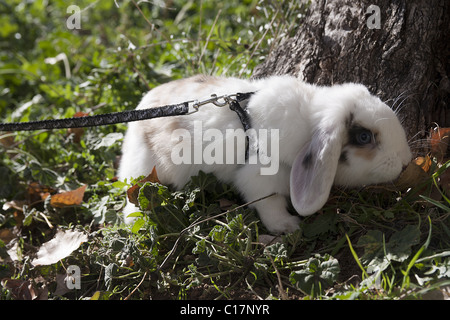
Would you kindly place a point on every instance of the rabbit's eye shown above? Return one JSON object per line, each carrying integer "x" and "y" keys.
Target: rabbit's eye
{"x": 360, "y": 136}
{"x": 363, "y": 137}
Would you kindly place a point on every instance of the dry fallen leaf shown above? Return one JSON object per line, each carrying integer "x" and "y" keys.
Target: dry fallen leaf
{"x": 412, "y": 176}
{"x": 7, "y": 139}
{"x": 133, "y": 192}
{"x": 439, "y": 143}
{"x": 37, "y": 191}
{"x": 24, "y": 289}
{"x": 77, "y": 132}
{"x": 424, "y": 162}
{"x": 20, "y": 289}
{"x": 69, "y": 198}
{"x": 226, "y": 204}
{"x": 6, "y": 235}
{"x": 61, "y": 246}
{"x": 61, "y": 285}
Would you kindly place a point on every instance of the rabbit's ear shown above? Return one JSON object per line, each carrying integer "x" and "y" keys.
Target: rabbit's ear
{"x": 314, "y": 169}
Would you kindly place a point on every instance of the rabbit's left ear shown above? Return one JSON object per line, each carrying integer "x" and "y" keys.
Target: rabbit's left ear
{"x": 314, "y": 169}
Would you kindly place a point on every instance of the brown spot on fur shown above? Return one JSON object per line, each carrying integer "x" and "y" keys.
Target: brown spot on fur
{"x": 367, "y": 153}
{"x": 148, "y": 133}
{"x": 201, "y": 78}
{"x": 155, "y": 128}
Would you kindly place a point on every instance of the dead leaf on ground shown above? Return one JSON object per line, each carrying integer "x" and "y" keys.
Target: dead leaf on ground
{"x": 69, "y": 198}
{"x": 6, "y": 235}
{"x": 412, "y": 176}
{"x": 36, "y": 191}
{"x": 61, "y": 246}
{"x": 24, "y": 289}
{"x": 77, "y": 132}
{"x": 20, "y": 289}
{"x": 439, "y": 143}
{"x": 61, "y": 285}
{"x": 35, "y": 194}
{"x": 7, "y": 139}
{"x": 226, "y": 204}
{"x": 424, "y": 162}
{"x": 133, "y": 192}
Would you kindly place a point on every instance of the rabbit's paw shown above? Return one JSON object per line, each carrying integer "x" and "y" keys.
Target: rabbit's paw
{"x": 286, "y": 224}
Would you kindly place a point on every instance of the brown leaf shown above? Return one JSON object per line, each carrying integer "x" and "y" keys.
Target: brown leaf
{"x": 80, "y": 114}
{"x": 412, "y": 176}
{"x": 226, "y": 204}
{"x": 78, "y": 132}
{"x": 37, "y": 191}
{"x": 7, "y": 139}
{"x": 424, "y": 162}
{"x": 69, "y": 198}
{"x": 61, "y": 285}
{"x": 25, "y": 290}
{"x": 6, "y": 235}
{"x": 440, "y": 141}
{"x": 20, "y": 289}
{"x": 133, "y": 192}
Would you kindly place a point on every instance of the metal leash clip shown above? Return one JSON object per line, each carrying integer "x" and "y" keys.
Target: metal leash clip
{"x": 227, "y": 99}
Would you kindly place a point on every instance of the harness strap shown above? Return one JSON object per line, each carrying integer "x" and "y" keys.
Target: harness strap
{"x": 243, "y": 116}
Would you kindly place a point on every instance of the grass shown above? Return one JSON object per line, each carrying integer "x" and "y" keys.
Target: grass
{"x": 201, "y": 242}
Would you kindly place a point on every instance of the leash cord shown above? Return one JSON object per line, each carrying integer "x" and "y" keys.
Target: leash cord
{"x": 233, "y": 101}
{"x": 98, "y": 120}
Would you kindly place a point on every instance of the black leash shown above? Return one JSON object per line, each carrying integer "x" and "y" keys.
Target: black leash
{"x": 233, "y": 101}
{"x": 135, "y": 115}
{"x": 98, "y": 120}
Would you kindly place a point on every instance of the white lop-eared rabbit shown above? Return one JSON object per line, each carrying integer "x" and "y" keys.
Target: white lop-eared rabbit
{"x": 339, "y": 135}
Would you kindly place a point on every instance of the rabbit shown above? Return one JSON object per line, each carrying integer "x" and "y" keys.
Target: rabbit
{"x": 327, "y": 135}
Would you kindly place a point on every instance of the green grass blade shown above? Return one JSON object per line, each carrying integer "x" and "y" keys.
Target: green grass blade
{"x": 355, "y": 256}
{"x": 436, "y": 203}
{"x": 416, "y": 256}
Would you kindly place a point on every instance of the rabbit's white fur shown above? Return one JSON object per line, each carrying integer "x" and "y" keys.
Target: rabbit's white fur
{"x": 319, "y": 128}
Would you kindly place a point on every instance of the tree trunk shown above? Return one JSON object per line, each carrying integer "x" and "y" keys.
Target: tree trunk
{"x": 402, "y": 55}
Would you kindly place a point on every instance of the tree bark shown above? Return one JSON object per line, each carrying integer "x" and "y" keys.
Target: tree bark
{"x": 404, "y": 60}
